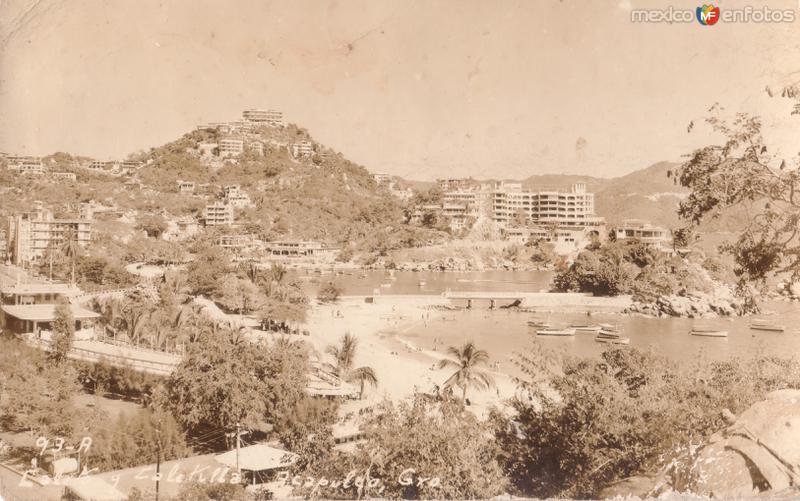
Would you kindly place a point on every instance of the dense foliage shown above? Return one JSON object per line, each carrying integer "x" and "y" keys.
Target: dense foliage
{"x": 417, "y": 450}
{"x": 634, "y": 268}
{"x": 744, "y": 172}
{"x": 595, "y": 421}
{"x": 137, "y": 439}
{"x": 225, "y": 379}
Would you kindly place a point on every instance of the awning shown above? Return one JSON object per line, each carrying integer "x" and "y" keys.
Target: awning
{"x": 258, "y": 457}
{"x": 45, "y": 312}
{"x": 92, "y": 488}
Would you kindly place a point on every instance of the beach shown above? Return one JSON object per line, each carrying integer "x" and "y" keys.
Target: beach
{"x": 402, "y": 367}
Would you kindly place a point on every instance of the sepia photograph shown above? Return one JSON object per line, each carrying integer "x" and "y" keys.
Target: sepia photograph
{"x": 399, "y": 250}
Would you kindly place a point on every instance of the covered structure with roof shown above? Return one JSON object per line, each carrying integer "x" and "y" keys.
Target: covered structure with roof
{"x": 257, "y": 462}
{"x": 36, "y": 320}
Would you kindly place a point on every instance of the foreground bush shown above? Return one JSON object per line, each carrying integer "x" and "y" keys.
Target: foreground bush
{"x": 416, "y": 450}
{"x": 597, "y": 421}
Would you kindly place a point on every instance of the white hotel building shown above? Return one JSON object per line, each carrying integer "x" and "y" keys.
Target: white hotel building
{"x": 571, "y": 209}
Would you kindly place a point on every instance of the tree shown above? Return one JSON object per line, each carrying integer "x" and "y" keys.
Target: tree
{"x": 239, "y": 295}
{"x": 63, "y": 333}
{"x": 206, "y": 270}
{"x": 122, "y": 443}
{"x": 467, "y": 360}
{"x": 71, "y": 249}
{"x": 153, "y": 225}
{"x": 417, "y": 450}
{"x": 135, "y": 309}
{"x": 329, "y": 293}
{"x": 35, "y": 394}
{"x": 225, "y": 379}
{"x": 742, "y": 172}
{"x": 580, "y": 424}
{"x": 344, "y": 356}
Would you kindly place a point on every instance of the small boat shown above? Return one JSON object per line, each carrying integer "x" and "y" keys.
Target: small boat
{"x": 587, "y": 328}
{"x": 707, "y": 332}
{"x": 539, "y": 323}
{"x": 386, "y": 286}
{"x": 613, "y": 339}
{"x": 422, "y": 283}
{"x": 763, "y": 325}
{"x": 556, "y": 332}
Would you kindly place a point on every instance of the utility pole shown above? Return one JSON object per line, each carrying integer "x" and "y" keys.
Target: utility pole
{"x": 158, "y": 457}
{"x": 238, "y": 471}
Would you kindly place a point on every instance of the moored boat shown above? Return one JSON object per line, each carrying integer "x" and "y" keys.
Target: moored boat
{"x": 555, "y": 332}
{"x": 707, "y": 332}
{"x": 587, "y": 328}
{"x": 764, "y": 325}
{"x": 541, "y": 324}
{"x": 613, "y": 339}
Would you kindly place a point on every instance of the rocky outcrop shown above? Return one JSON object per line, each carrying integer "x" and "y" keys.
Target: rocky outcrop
{"x": 786, "y": 290}
{"x": 758, "y": 454}
{"x": 720, "y": 301}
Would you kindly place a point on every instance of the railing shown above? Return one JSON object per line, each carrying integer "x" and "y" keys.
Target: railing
{"x": 136, "y": 363}
{"x": 125, "y": 344}
{"x": 160, "y": 368}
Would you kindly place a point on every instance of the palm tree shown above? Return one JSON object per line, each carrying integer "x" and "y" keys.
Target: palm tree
{"x": 467, "y": 359}
{"x": 71, "y": 248}
{"x": 363, "y": 375}
{"x": 345, "y": 355}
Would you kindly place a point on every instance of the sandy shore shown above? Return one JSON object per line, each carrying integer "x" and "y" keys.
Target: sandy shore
{"x": 402, "y": 368}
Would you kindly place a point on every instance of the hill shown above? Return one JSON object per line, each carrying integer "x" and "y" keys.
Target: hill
{"x": 316, "y": 194}
{"x": 647, "y": 194}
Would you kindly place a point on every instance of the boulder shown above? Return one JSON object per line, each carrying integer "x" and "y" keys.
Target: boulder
{"x": 757, "y": 455}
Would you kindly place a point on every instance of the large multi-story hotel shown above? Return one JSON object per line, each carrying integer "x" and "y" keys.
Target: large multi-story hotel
{"x": 26, "y": 165}
{"x": 574, "y": 208}
{"x": 268, "y": 117}
{"x": 30, "y": 235}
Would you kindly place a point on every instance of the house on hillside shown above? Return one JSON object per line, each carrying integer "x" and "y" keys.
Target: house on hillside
{"x": 302, "y": 149}
{"x": 230, "y": 147}
{"x": 218, "y": 214}
{"x": 186, "y": 186}
{"x": 643, "y": 231}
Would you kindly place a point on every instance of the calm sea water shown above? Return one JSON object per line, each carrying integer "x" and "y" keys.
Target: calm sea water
{"x": 502, "y": 332}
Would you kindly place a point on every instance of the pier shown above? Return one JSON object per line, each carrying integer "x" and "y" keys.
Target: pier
{"x": 492, "y": 297}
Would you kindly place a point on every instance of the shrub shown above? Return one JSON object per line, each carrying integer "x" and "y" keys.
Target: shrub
{"x": 596, "y": 421}
{"x": 329, "y": 293}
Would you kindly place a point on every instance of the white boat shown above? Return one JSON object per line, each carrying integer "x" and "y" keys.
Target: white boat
{"x": 595, "y": 329}
{"x": 707, "y": 332}
{"x": 422, "y": 283}
{"x": 764, "y": 325}
{"x": 539, "y": 323}
{"x": 613, "y": 339}
{"x": 556, "y": 332}
{"x": 386, "y": 286}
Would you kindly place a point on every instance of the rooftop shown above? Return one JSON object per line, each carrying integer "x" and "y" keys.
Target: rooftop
{"x": 45, "y": 312}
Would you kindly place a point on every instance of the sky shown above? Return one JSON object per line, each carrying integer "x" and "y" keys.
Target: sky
{"x": 421, "y": 89}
